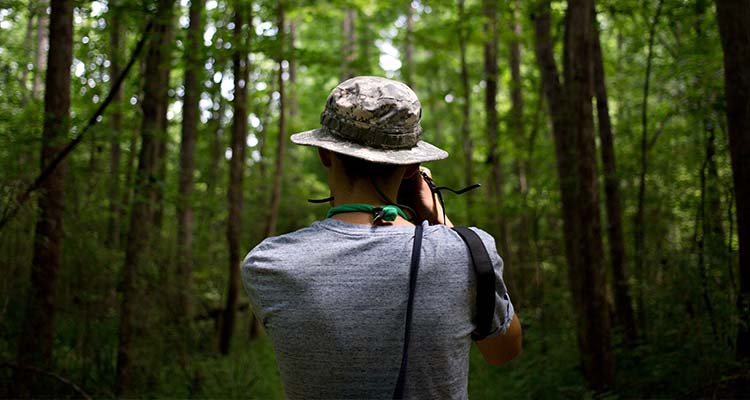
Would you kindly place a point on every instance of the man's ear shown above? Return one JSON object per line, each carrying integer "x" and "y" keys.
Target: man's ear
{"x": 411, "y": 171}
{"x": 325, "y": 157}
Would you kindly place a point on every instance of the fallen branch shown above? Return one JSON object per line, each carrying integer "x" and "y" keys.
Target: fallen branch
{"x": 50, "y": 374}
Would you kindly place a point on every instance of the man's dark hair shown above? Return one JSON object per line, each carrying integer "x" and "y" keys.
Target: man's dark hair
{"x": 357, "y": 168}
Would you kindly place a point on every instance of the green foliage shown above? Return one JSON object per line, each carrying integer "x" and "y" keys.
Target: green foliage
{"x": 688, "y": 304}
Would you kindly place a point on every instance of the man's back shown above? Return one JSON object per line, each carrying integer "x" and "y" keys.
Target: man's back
{"x": 333, "y": 296}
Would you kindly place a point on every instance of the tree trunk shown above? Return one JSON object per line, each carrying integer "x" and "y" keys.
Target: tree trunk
{"x": 193, "y": 79}
{"x": 292, "y": 96}
{"x": 216, "y": 151}
{"x": 623, "y": 300}
{"x": 113, "y": 219}
{"x": 137, "y": 249}
{"x": 587, "y": 278}
{"x": 42, "y": 40}
{"x": 349, "y": 40}
{"x": 468, "y": 145}
{"x": 639, "y": 218}
{"x": 408, "y": 68}
{"x": 281, "y": 142}
{"x": 733, "y": 17}
{"x": 518, "y": 136}
{"x": 236, "y": 172}
{"x": 572, "y": 118}
{"x": 28, "y": 44}
{"x": 37, "y": 332}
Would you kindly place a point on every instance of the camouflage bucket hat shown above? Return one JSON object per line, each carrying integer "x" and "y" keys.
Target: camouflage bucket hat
{"x": 375, "y": 119}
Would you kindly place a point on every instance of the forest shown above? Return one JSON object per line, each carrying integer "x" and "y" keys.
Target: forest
{"x": 144, "y": 150}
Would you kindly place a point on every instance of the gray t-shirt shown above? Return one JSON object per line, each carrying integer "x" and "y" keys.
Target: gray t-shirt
{"x": 332, "y": 297}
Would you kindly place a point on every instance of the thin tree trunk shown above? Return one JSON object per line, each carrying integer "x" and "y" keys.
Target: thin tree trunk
{"x": 468, "y": 145}
{"x": 236, "y": 172}
{"x": 42, "y": 40}
{"x": 113, "y": 219}
{"x": 193, "y": 79}
{"x": 733, "y": 17}
{"x": 37, "y": 332}
{"x": 281, "y": 142}
{"x": 639, "y": 219}
{"x": 139, "y": 234}
{"x": 217, "y": 142}
{"x": 292, "y": 96}
{"x": 623, "y": 300}
{"x": 349, "y": 40}
{"x": 489, "y": 9}
{"x": 28, "y": 44}
{"x": 518, "y": 135}
{"x": 408, "y": 69}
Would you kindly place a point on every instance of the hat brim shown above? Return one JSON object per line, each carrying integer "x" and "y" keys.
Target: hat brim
{"x": 321, "y": 137}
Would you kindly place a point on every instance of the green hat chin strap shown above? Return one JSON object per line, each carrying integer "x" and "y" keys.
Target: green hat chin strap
{"x": 386, "y": 213}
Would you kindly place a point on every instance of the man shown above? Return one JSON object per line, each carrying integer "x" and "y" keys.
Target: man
{"x": 333, "y": 296}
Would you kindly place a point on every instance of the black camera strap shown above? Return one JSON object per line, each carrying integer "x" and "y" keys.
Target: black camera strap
{"x": 485, "y": 275}
{"x": 485, "y": 299}
{"x": 416, "y": 252}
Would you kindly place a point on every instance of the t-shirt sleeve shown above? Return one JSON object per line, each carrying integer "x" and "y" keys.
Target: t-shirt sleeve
{"x": 250, "y": 280}
{"x": 503, "y": 306}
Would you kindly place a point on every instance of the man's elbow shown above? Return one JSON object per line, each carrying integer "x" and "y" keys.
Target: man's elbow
{"x": 501, "y": 349}
{"x": 512, "y": 350}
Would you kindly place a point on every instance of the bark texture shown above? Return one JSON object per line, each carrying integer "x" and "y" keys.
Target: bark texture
{"x": 733, "y": 17}
{"x": 37, "y": 332}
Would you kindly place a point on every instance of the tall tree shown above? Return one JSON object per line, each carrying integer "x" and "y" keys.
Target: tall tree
{"x": 193, "y": 77}
{"x": 468, "y": 144}
{"x": 572, "y": 118}
{"x": 639, "y": 217}
{"x": 37, "y": 332}
{"x": 623, "y": 299}
{"x": 236, "y": 170}
{"x": 733, "y": 17}
{"x": 587, "y": 278}
{"x": 518, "y": 136}
{"x": 137, "y": 248}
{"x": 115, "y": 67}
{"x": 282, "y": 138}
{"x": 489, "y": 10}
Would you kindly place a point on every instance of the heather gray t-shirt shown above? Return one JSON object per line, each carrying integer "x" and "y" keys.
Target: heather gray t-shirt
{"x": 332, "y": 297}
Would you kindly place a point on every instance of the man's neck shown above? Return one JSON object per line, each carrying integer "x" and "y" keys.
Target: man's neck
{"x": 363, "y": 193}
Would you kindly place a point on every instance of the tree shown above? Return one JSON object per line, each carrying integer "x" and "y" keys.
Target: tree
{"x": 113, "y": 225}
{"x": 468, "y": 144}
{"x": 733, "y": 17}
{"x": 639, "y": 217}
{"x": 37, "y": 332}
{"x": 236, "y": 172}
{"x": 623, "y": 299}
{"x": 572, "y": 119}
{"x": 193, "y": 68}
{"x": 349, "y": 40}
{"x": 282, "y": 138}
{"x": 139, "y": 232}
